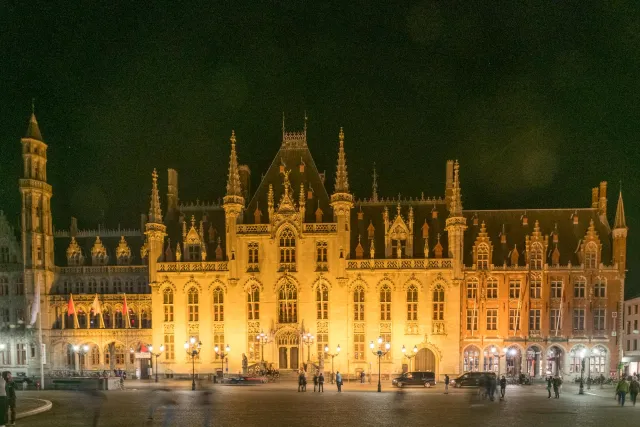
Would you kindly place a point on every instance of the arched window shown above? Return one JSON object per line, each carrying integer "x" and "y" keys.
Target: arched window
{"x": 576, "y": 355}
{"x": 82, "y": 318}
{"x": 79, "y": 287}
{"x": 253, "y": 303}
{"x": 167, "y": 301}
{"x": 93, "y": 286}
{"x": 598, "y": 359}
{"x": 471, "y": 360}
{"x": 492, "y": 288}
{"x": 438, "y": 303}
{"x": 288, "y": 303}
{"x": 104, "y": 286}
{"x": 472, "y": 288}
{"x": 192, "y": 305}
{"x": 322, "y": 301}
{"x": 385, "y": 302}
{"x": 591, "y": 255}
{"x": 412, "y": 303}
{"x": 535, "y": 257}
{"x": 358, "y": 304}
{"x": 287, "y": 250}
{"x": 483, "y": 257}
{"x": 253, "y": 254}
{"x": 145, "y": 318}
{"x": 218, "y": 305}
{"x": 95, "y": 355}
{"x": 119, "y": 319}
{"x": 117, "y": 286}
{"x": 106, "y": 317}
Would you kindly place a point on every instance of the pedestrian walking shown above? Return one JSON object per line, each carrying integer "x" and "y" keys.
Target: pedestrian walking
{"x": 446, "y": 384}
{"x": 301, "y": 381}
{"x": 339, "y": 381}
{"x": 10, "y": 388}
{"x": 3, "y": 402}
{"x": 549, "y": 385}
{"x": 170, "y": 406}
{"x": 622, "y": 389}
{"x": 362, "y": 376}
{"x": 493, "y": 383}
{"x": 556, "y": 386}
{"x": 634, "y": 388}
{"x": 206, "y": 403}
{"x": 95, "y": 401}
{"x": 315, "y": 381}
{"x": 503, "y": 386}
{"x": 321, "y": 383}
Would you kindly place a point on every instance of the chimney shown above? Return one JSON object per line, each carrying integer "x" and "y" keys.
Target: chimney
{"x": 143, "y": 222}
{"x": 245, "y": 180}
{"x": 594, "y": 197}
{"x": 172, "y": 192}
{"x": 602, "y": 208}
{"x": 73, "y": 230}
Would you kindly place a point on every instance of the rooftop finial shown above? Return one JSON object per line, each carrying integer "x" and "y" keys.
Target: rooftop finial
{"x": 375, "y": 184}
{"x": 620, "y": 220}
{"x": 33, "y": 131}
{"x": 455, "y": 207}
{"x": 342, "y": 180}
{"x": 155, "y": 213}
{"x": 33, "y": 106}
{"x": 234, "y": 188}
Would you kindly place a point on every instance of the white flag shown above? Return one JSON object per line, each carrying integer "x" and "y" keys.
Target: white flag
{"x": 35, "y": 305}
{"x": 96, "y": 306}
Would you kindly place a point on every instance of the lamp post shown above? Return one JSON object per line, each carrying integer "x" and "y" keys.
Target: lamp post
{"x": 326, "y": 352}
{"x": 222, "y": 354}
{"x": 497, "y": 354}
{"x": 308, "y": 339}
{"x": 193, "y": 350}
{"x": 410, "y": 356}
{"x": 82, "y": 351}
{"x": 380, "y": 353}
{"x": 263, "y": 339}
{"x": 583, "y": 353}
{"x": 156, "y": 356}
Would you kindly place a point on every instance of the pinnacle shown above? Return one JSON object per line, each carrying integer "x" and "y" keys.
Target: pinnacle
{"x": 342, "y": 179}
{"x": 233, "y": 182}
{"x": 620, "y": 221}
{"x": 33, "y": 130}
{"x": 155, "y": 213}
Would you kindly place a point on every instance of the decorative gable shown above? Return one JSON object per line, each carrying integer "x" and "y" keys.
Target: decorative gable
{"x": 123, "y": 252}
{"x": 99, "y": 253}
{"x": 74, "y": 253}
{"x": 483, "y": 249}
{"x": 591, "y": 248}
{"x": 536, "y": 245}
{"x": 359, "y": 250}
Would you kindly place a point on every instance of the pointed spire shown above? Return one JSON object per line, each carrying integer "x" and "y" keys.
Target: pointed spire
{"x": 374, "y": 195}
{"x": 342, "y": 180}
{"x": 620, "y": 221}
{"x": 155, "y": 213}
{"x": 456, "y": 196}
{"x": 33, "y": 130}
{"x": 233, "y": 181}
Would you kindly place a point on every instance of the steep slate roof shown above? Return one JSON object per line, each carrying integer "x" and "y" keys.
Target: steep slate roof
{"x": 212, "y": 215}
{"x": 291, "y": 156}
{"x": 569, "y": 234}
{"x": 422, "y": 210}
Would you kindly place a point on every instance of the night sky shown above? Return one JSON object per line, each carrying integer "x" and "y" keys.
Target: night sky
{"x": 538, "y": 101}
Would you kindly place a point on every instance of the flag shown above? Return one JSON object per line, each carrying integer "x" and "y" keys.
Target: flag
{"x": 71, "y": 310}
{"x": 125, "y": 313}
{"x": 97, "y": 311}
{"x": 35, "y": 305}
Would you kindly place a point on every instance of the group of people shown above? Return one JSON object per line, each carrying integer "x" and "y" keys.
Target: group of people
{"x": 628, "y": 385}
{"x": 7, "y": 400}
{"x": 318, "y": 381}
{"x": 553, "y": 383}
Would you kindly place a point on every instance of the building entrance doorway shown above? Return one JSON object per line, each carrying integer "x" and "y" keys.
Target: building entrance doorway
{"x": 288, "y": 347}
{"x": 425, "y": 360}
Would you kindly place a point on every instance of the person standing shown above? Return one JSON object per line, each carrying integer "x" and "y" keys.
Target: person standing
{"x": 301, "y": 381}
{"x": 446, "y": 384}
{"x": 622, "y": 389}
{"x": 3, "y": 402}
{"x": 321, "y": 383}
{"x": 362, "y": 375}
{"x": 634, "y": 388}
{"x": 503, "y": 386}
{"x": 339, "y": 381}
{"x": 556, "y": 387}
{"x": 492, "y": 387}
{"x": 549, "y": 385}
{"x": 315, "y": 381}
{"x": 10, "y": 388}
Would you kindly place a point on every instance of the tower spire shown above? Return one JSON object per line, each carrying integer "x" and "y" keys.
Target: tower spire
{"x": 374, "y": 193}
{"x": 342, "y": 180}
{"x": 155, "y": 213}
{"x": 620, "y": 221}
{"x": 33, "y": 130}
{"x": 233, "y": 181}
{"x": 455, "y": 208}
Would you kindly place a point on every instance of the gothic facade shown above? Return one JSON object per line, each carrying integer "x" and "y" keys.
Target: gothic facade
{"x": 284, "y": 272}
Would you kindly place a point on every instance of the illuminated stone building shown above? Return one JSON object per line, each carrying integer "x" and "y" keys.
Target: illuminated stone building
{"x": 291, "y": 260}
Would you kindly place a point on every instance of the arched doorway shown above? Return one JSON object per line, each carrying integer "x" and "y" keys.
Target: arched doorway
{"x": 555, "y": 356}
{"x": 598, "y": 361}
{"x": 471, "y": 359}
{"x": 514, "y": 361}
{"x": 425, "y": 360}
{"x": 288, "y": 344}
{"x": 534, "y": 359}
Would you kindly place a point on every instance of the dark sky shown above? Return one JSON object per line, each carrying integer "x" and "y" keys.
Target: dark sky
{"x": 538, "y": 101}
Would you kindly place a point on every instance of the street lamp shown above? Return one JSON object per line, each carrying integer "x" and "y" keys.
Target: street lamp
{"x": 308, "y": 339}
{"x": 410, "y": 356}
{"x": 263, "y": 339}
{"x": 497, "y": 354}
{"x": 221, "y": 354}
{"x": 583, "y": 353}
{"x": 380, "y": 353}
{"x": 326, "y": 352}
{"x": 82, "y": 351}
{"x": 156, "y": 355}
{"x": 193, "y": 350}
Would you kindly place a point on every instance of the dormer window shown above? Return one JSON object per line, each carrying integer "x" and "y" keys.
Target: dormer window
{"x": 99, "y": 253}
{"x": 74, "y": 253}
{"x": 591, "y": 255}
{"x": 483, "y": 257}
{"x": 194, "y": 252}
{"x": 287, "y": 250}
{"x": 535, "y": 257}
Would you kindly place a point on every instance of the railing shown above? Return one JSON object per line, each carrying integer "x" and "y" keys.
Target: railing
{"x": 321, "y": 228}
{"x": 364, "y": 264}
{"x": 103, "y": 269}
{"x": 168, "y": 267}
{"x": 252, "y": 228}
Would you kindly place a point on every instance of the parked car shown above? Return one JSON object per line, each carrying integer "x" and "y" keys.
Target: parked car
{"x": 425, "y": 379}
{"x": 472, "y": 379}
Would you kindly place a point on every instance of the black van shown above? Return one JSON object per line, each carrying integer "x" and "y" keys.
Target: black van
{"x": 425, "y": 379}
{"x": 472, "y": 379}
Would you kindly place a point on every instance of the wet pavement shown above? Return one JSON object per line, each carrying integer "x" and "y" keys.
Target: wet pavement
{"x": 358, "y": 405}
